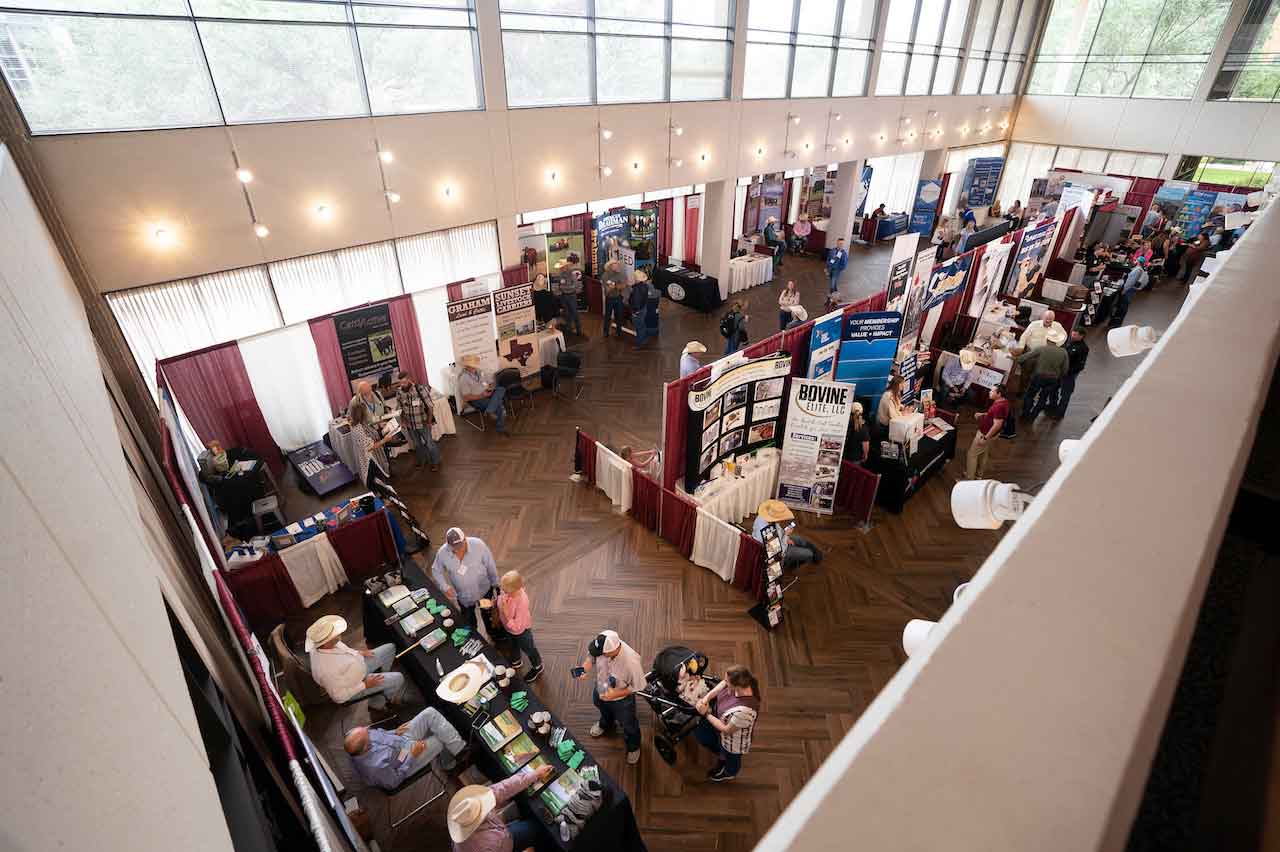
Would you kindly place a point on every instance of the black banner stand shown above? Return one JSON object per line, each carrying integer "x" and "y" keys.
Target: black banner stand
{"x": 768, "y": 612}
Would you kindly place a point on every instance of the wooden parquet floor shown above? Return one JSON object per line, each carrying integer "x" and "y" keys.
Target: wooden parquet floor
{"x": 588, "y": 568}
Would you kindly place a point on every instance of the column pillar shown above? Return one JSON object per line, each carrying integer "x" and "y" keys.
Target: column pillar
{"x": 717, "y": 234}
{"x": 843, "y": 203}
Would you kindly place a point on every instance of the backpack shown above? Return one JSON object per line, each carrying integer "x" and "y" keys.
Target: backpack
{"x": 727, "y": 325}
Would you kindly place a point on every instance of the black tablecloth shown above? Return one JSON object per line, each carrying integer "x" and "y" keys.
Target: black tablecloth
{"x": 612, "y": 829}
{"x": 701, "y": 292}
{"x": 900, "y": 479}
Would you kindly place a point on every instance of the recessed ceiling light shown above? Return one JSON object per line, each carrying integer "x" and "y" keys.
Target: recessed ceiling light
{"x": 847, "y": 140}
{"x": 606, "y": 134}
{"x": 393, "y": 197}
{"x": 759, "y": 150}
{"x": 705, "y": 156}
{"x": 448, "y": 191}
{"x": 324, "y": 211}
{"x": 807, "y": 146}
{"x": 261, "y": 230}
{"x": 635, "y": 166}
{"x": 244, "y": 175}
{"x": 386, "y": 156}
{"x": 553, "y": 176}
{"x": 162, "y": 236}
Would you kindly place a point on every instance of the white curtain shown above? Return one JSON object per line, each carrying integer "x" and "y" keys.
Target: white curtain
{"x": 715, "y": 545}
{"x": 893, "y": 182}
{"x": 324, "y": 283}
{"x": 443, "y": 257}
{"x": 164, "y": 320}
{"x": 677, "y": 230}
{"x": 433, "y": 327}
{"x": 285, "y": 374}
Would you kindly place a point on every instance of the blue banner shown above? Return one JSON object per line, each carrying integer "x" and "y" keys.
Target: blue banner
{"x": 926, "y": 207}
{"x": 981, "y": 179}
{"x": 866, "y": 188}
{"x": 867, "y": 352}
{"x": 824, "y": 342}
{"x": 1195, "y": 210}
{"x": 907, "y": 370}
{"x": 946, "y": 280}
{"x": 613, "y": 232}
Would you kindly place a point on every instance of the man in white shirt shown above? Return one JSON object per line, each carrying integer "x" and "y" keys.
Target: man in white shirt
{"x": 345, "y": 673}
{"x": 619, "y": 676}
{"x": 688, "y": 362}
{"x": 1038, "y": 332}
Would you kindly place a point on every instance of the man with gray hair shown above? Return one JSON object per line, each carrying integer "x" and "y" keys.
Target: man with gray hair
{"x": 370, "y": 400}
{"x": 464, "y": 569}
{"x": 385, "y": 758}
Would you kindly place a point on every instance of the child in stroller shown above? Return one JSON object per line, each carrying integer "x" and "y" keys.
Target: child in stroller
{"x": 675, "y": 684}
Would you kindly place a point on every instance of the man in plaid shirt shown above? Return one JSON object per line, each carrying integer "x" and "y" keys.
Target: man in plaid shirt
{"x": 416, "y": 417}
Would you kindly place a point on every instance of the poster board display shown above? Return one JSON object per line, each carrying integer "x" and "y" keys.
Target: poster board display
{"x": 864, "y": 189}
{"x": 771, "y": 191}
{"x": 912, "y": 308}
{"x": 513, "y": 311}
{"x": 364, "y": 336}
{"x": 1196, "y": 209}
{"x": 751, "y": 218}
{"x": 569, "y": 247}
{"x": 612, "y": 232}
{"x": 904, "y": 249}
{"x": 533, "y": 254}
{"x": 1075, "y": 196}
{"x": 908, "y": 370}
{"x": 925, "y": 208}
{"x": 472, "y": 332}
{"x": 1031, "y": 260}
{"x": 989, "y": 278}
{"x": 946, "y": 280}
{"x": 817, "y": 423}
{"x": 867, "y": 351}
{"x": 524, "y": 352}
{"x": 981, "y": 177}
{"x": 824, "y": 343}
{"x": 643, "y": 226}
{"x": 734, "y": 413}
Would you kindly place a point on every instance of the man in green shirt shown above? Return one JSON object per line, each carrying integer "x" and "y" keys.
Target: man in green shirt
{"x": 1047, "y": 365}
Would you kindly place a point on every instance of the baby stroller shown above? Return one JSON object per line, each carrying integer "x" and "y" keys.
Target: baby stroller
{"x": 674, "y": 684}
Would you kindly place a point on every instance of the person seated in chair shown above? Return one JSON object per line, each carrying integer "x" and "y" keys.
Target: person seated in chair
{"x": 475, "y": 819}
{"x": 213, "y": 461}
{"x": 800, "y": 232}
{"x": 957, "y": 376}
{"x": 796, "y": 551}
{"x": 479, "y": 391}
{"x": 386, "y": 759}
{"x": 346, "y": 674}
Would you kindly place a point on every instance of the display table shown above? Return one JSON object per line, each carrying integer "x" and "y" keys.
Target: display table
{"x": 693, "y": 289}
{"x": 320, "y": 468}
{"x": 733, "y": 498}
{"x": 613, "y": 477}
{"x": 612, "y": 828}
{"x": 550, "y": 344}
{"x": 344, "y": 447}
{"x": 900, "y": 479}
{"x": 747, "y": 271}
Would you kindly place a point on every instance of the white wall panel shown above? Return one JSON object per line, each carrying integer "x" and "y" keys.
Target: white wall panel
{"x": 1224, "y": 129}
{"x": 1092, "y": 122}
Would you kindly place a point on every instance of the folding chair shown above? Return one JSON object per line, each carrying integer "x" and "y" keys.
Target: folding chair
{"x": 568, "y": 366}
{"x": 436, "y": 790}
{"x": 509, "y": 378}
{"x": 472, "y": 416}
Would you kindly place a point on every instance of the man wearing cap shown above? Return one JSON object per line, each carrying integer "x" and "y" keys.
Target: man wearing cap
{"x": 615, "y": 294}
{"x": 475, "y": 823}
{"x": 465, "y": 570}
{"x": 689, "y": 363}
{"x": 479, "y": 391}
{"x": 1048, "y": 365}
{"x": 796, "y": 551}
{"x": 619, "y": 675}
{"x": 568, "y": 286}
{"x": 345, "y": 673}
{"x": 386, "y": 758}
{"x": 957, "y": 375}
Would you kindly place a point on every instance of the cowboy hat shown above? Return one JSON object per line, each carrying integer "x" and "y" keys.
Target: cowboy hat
{"x": 771, "y": 219}
{"x": 775, "y": 511}
{"x": 462, "y": 684}
{"x": 641, "y": 276}
{"x": 1056, "y": 336}
{"x": 561, "y": 263}
{"x": 968, "y": 358}
{"x": 693, "y": 346}
{"x": 471, "y": 361}
{"x": 798, "y": 312}
{"x": 326, "y": 627}
{"x": 468, "y": 808}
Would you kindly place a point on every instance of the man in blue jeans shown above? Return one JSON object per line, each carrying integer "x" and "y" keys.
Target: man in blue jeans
{"x": 568, "y": 286}
{"x": 416, "y": 416}
{"x": 385, "y": 758}
{"x": 640, "y": 307}
{"x": 837, "y": 260}
{"x": 615, "y": 293}
{"x": 619, "y": 675}
{"x": 480, "y": 392}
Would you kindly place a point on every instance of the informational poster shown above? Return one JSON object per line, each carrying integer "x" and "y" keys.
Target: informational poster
{"x": 900, "y": 263}
{"x": 981, "y": 178}
{"x": 364, "y": 336}
{"x": 817, "y": 422}
{"x": 813, "y": 195}
{"x": 824, "y": 343}
{"x": 734, "y": 413}
{"x": 946, "y": 280}
{"x": 925, "y": 208}
{"x": 989, "y": 278}
{"x": 533, "y": 254}
{"x": 912, "y": 309}
{"x": 513, "y": 311}
{"x": 471, "y": 329}
{"x": 1196, "y": 210}
{"x": 751, "y": 215}
{"x": 828, "y": 194}
{"x": 627, "y": 258}
{"x": 867, "y": 352}
{"x": 771, "y": 191}
{"x": 643, "y": 224}
{"x": 1076, "y": 197}
{"x": 864, "y": 187}
{"x": 908, "y": 370}
{"x": 1030, "y": 262}
{"x": 568, "y": 247}
{"x": 523, "y": 352}
{"x": 612, "y": 232}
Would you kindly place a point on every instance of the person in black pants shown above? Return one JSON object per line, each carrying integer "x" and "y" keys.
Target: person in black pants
{"x": 619, "y": 675}
{"x": 1077, "y": 355}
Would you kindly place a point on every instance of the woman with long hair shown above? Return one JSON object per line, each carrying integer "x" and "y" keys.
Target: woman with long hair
{"x": 857, "y": 442}
{"x": 787, "y": 299}
{"x": 727, "y": 730}
{"x": 891, "y": 403}
{"x": 369, "y": 442}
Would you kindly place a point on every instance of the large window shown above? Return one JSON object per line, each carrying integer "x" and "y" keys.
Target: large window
{"x": 1251, "y": 69}
{"x": 98, "y": 65}
{"x": 558, "y": 53}
{"x": 1026, "y": 162}
{"x": 1254, "y": 173}
{"x": 922, "y": 42}
{"x": 894, "y": 181}
{"x": 998, "y": 47}
{"x": 1126, "y": 48}
{"x": 808, "y": 48}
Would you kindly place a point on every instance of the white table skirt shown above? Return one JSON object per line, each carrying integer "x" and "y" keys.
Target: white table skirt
{"x": 613, "y": 477}
{"x": 732, "y": 499}
{"x": 715, "y": 545}
{"x": 550, "y": 344}
{"x": 748, "y": 271}
{"x": 314, "y": 568}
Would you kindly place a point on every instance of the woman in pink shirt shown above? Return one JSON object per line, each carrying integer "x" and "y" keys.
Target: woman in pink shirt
{"x": 513, "y": 607}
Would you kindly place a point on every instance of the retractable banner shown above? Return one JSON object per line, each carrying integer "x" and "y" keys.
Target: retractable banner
{"x": 517, "y": 345}
{"x": 824, "y": 343}
{"x": 471, "y": 329}
{"x": 817, "y": 423}
{"x": 364, "y": 336}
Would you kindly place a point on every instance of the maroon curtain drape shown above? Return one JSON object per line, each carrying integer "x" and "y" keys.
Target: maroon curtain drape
{"x": 213, "y": 388}
{"x": 264, "y": 592}
{"x": 666, "y": 211}
{"x": 856, "y": 491}
{"x": 584, "y": 460}
{"x": 646, "y": 499}
{"x": 748, "y": 571}
{"x": 595, "y": 295}
{"x": 407, "y": 338}
{"x": 679, "y": 519}
{"x": 578, "y": 222}
{"x": 514, "y": 275}
{"x": 692, "y": 210}
{"x": 365, "y": 545}
{"x": 674, "y": 427}
{"x": 454, "y": 291}
{"x": 329, "y": 354}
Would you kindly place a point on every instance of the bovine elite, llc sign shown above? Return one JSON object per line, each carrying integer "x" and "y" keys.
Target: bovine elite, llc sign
{"x": 817, "y": 421}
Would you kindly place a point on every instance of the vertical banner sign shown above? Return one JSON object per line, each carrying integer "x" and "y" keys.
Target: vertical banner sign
{"x": 865, "y": 187}
{"x": 643, "y": 224}
{"x": 771, "y": 199}
{"x": 907, "y": 370}
{"x": 946, "y": 280}
{"x": 926, "y": 207}
{"x": 867, "y": 352}
{"x": 364, "y": 335}
{"x": 517, "y": 345}
{"x": 735, "y": 412}
{"x": 1030, "y": 262}
{"x": 981, "y": 179}
{"x": 533, "y": 254}
{"x": 824, "y": 342}
{"x": 912, "y": 312}
{"x": 817, "y": 421}
{"x": 904, "y": 249}
{"x": 751, "y": 215}
{"x": 1195, "y": 210}
{"x": 828, "y": 195}
{"x": 612, "y": 232}
{"x": 990, "y": 276}
{"x": 471, "y": 328}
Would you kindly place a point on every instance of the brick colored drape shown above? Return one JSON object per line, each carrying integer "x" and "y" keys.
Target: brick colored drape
{"x": 856, "y": 491}
{"x": 748, "y": 571}
{"x": 332, "y": 368}
{"x": 691, "y": 216}
{"x": 679, "y": 520}
{"x": 584, "y": 457}
{"x": 646, "y": 499}
{"x": 407, "y": 338}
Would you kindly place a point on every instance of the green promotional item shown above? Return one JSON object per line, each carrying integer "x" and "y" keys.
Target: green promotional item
{"x": 576, "y": 761}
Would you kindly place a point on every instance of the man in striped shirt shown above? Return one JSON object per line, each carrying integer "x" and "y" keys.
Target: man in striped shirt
{"x": 416, "y": 416}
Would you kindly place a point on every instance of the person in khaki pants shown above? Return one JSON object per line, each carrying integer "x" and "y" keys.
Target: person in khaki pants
{"x": 989, "y": 424}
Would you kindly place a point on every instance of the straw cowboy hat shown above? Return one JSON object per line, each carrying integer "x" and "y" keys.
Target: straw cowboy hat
{"x": 771, "y": 219}
{"x": 798, "y": 312}
{"x": 641, "y": 276}
{"x": 467, "y": 810}
{"x": 325, "y": 628}
{"x": 561, "y": 263}
{"x": 462, "y": 684}
{"x": 694, "y": 347}
{"x": 613, "y": 264}
{"x": 775, "y": 511}
{"x": 471, "y": 361}
{"x": 1056, "y": 336}
{"x": 968, "y": 358}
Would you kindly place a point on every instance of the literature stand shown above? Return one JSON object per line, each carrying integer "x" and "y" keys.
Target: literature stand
{"x": 768, "y": 612}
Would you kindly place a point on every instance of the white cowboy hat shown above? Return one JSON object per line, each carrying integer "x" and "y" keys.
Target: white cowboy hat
{"x": 798, "y": 312}
{"x": 471, "y": 361}
{"x": 467, "y": 809}
{"x": 771, "y": 219}
{"x": 968, "y": 358}
{"x": 325, "y": 628}
{"x": 693, "y": 346}
{"x": 1056, "y": 336}
{"x": 775, "y": 511}
{"x": 462, "y": 684}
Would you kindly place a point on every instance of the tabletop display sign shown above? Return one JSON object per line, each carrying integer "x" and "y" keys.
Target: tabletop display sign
{"x": 533, "y": 254}
{"x": 643, "y": 226}
{"x": 824, "y": 343}
{"x": 733, "y": 414}
{"x": 981, "y": 179}
{"x": 471, "y": 329}
{"x": 1030, "y": 261}
{"x": 990, "y": 276}
{"x": 908, "y": 370}
{"x": 817, "y": 423}
{"x": 517, "y": 345}
{"x": 569, "y": 247}
{"x": 612, "y": 230}
{"x": 946, "y": 280}
{"x": 364, "y": 336}
{"x": 926, "y": 206}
